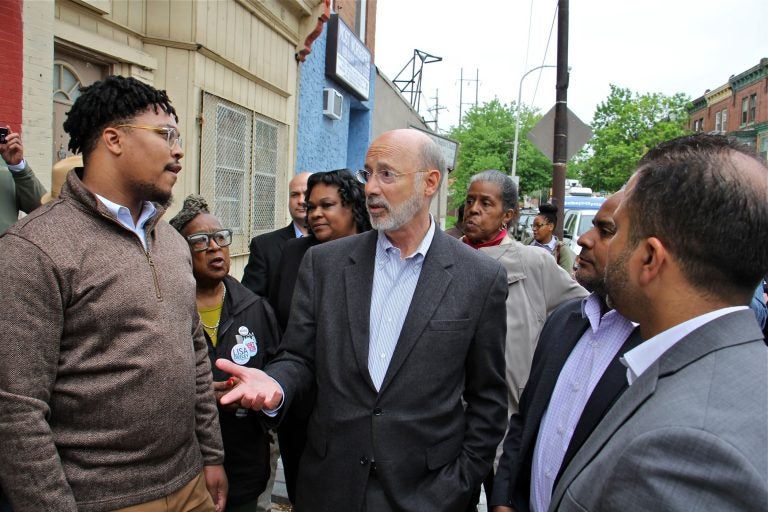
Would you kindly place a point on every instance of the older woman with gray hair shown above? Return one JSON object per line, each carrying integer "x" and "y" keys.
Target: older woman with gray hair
{"x": 537, "y": 285}
{"x": 241, "y": 327}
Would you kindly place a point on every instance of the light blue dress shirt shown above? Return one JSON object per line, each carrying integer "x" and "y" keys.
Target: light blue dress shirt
{"x": 123, "y": 215}
{"x": 394, "y": 281}
{"x": 582, "y": 370}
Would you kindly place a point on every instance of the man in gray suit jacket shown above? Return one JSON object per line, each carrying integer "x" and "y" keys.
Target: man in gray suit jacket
{"x": 690, "y": 432}
{"x": 401, "y": 330}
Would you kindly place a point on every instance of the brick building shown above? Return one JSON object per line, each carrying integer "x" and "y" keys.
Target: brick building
{"x": 738, "y": 108}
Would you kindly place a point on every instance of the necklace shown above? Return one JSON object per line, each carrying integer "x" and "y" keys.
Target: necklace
{"x": 215, "y": 327}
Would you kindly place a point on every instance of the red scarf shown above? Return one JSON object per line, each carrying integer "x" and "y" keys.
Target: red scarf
{"x": 490, "y": 243}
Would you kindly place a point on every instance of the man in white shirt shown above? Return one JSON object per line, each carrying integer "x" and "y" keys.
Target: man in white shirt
{"x": 690, "y": 431}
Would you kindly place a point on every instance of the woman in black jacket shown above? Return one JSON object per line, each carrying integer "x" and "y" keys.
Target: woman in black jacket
{"x": 241, "y": 327}
{"x": 335, "y": 209}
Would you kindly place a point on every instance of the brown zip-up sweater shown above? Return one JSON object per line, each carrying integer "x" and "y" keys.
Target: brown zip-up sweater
{"x": 105, "y": 384}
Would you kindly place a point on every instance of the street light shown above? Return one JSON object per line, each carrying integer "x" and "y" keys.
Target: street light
{"x": 517, "y": 117}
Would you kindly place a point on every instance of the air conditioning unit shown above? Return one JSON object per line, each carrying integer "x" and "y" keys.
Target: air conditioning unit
{"x": 332, "y": 102}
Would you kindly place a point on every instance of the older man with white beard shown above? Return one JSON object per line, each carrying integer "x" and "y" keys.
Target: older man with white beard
{"x": 398, "y": 330}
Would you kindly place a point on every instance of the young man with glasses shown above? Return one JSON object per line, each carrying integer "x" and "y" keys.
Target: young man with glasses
{"x": 107, "y": 399}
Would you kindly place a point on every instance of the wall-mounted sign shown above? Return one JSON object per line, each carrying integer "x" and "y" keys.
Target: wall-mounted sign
{"x": 347, "y": 59}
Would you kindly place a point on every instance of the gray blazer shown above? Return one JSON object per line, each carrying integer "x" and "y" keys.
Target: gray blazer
{"x": 691, "y": 433}
{"x": 430, "y": 433}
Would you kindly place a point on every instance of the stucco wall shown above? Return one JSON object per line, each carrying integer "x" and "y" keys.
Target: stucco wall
{"x": 325, "y": 144}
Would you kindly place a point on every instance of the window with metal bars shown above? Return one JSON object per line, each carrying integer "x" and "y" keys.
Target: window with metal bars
{"x": 241, "y": 153}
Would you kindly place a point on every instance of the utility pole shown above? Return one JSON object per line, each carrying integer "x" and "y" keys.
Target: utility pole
{"x": 560, "y": 146}
{"x": 461, "y": 90}
{"x": 436, "y": 109}
{"x": 461, "y": 93}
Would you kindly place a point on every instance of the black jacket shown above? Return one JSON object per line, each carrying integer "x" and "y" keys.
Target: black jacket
{"x": 265, "y": 252}
{"x": 281, "y": 290}
{"x": 246, "y": 445}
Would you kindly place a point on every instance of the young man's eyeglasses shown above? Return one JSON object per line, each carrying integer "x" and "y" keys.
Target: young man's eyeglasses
{"x": 172, "y": 136}
{"x": 385, "y": 175}
{"x": 199, "y": 241}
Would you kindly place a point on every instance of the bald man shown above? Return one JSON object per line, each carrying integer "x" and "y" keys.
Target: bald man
{"x": 266, "y": 249}
{"x": 398, "y": 328}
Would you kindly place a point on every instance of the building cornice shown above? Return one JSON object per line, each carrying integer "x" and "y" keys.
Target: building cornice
{"x": 697, "y": 104}
{"x": 721, "y": 93}
{"x": 750, "y": 76}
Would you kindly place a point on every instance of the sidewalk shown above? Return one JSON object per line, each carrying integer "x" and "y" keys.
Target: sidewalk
{"x": 280, "y": 501}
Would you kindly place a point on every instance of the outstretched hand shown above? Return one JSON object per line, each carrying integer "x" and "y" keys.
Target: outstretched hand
{"x": 255, "y": 389}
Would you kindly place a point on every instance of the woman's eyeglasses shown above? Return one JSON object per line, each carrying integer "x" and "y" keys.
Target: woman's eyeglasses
{"x": 199, "y": 241}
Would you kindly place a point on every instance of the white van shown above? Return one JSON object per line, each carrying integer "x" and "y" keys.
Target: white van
{"x": 577, "y": 222}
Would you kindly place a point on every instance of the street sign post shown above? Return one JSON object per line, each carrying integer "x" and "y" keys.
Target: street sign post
{"x": 541, "y": 135}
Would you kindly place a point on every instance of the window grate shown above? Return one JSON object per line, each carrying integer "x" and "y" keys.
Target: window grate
{"x": 241, "y": 152}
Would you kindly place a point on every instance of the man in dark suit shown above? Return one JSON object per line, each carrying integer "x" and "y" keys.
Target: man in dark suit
{"x": 266, "y": 249}
{"x": 401, "y": 330}
{"x": 576, "y": 375}
{"x": 689, "y": 433}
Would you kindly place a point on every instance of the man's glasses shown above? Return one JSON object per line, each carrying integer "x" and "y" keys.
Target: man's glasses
{"x": 385, "y": 175}
{"x": 172, "y": 136}
{"x": 199, "y": 241}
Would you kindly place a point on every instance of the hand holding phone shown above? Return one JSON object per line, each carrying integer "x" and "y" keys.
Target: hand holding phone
{"x": 11, "y": 149}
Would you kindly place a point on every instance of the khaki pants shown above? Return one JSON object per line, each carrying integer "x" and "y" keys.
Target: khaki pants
{"x": 193, "y": 497}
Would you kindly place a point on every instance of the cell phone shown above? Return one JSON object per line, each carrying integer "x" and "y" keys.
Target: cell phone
{"x": 3, "y": 134}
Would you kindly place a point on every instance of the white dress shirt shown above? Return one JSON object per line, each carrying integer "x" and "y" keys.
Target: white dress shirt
{"x": 645, "y": 354}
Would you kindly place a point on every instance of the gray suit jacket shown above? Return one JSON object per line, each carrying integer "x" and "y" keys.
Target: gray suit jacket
{"x": 691, "y": 433}
{"x": 430, "y": 433}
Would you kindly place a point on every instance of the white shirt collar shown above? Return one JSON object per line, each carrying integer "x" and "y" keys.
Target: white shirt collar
{"x": 123, "y": 215}
{"x": 645, "y": 354}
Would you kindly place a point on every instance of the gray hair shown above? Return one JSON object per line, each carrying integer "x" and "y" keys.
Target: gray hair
{"x": 508, "y": 188}
{"x": 432, "y": 157}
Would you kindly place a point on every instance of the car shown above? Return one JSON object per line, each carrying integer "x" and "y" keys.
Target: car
{"x": 577, "y": 222}
{"x": 524, "y": 221}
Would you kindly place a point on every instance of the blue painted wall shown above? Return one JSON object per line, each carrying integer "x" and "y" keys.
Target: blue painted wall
{"x": 325, "y": 144}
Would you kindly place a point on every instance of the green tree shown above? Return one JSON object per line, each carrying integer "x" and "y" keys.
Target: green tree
{"x": 626, "y": 125}
{"x": 486, "y": 138}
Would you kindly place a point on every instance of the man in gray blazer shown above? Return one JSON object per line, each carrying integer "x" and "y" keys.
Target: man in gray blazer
{"x": 691, "y": 431}
{"x": 401, "y": 330}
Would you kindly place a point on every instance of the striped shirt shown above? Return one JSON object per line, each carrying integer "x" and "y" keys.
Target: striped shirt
{"x": 580, "y": 374}
{"x": 394, "y": 281}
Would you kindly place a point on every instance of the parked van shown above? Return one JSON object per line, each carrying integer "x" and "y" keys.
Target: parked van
{"x": 576, "y": 223}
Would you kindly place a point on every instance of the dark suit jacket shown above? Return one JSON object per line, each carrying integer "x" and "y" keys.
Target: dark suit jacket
{"x": 689, "y": 434}
{"x": 559, "y": 336}
{"x": 265, "y": 255}
{"x": 281, "y": 289}
{"x": 430, "y": 450}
